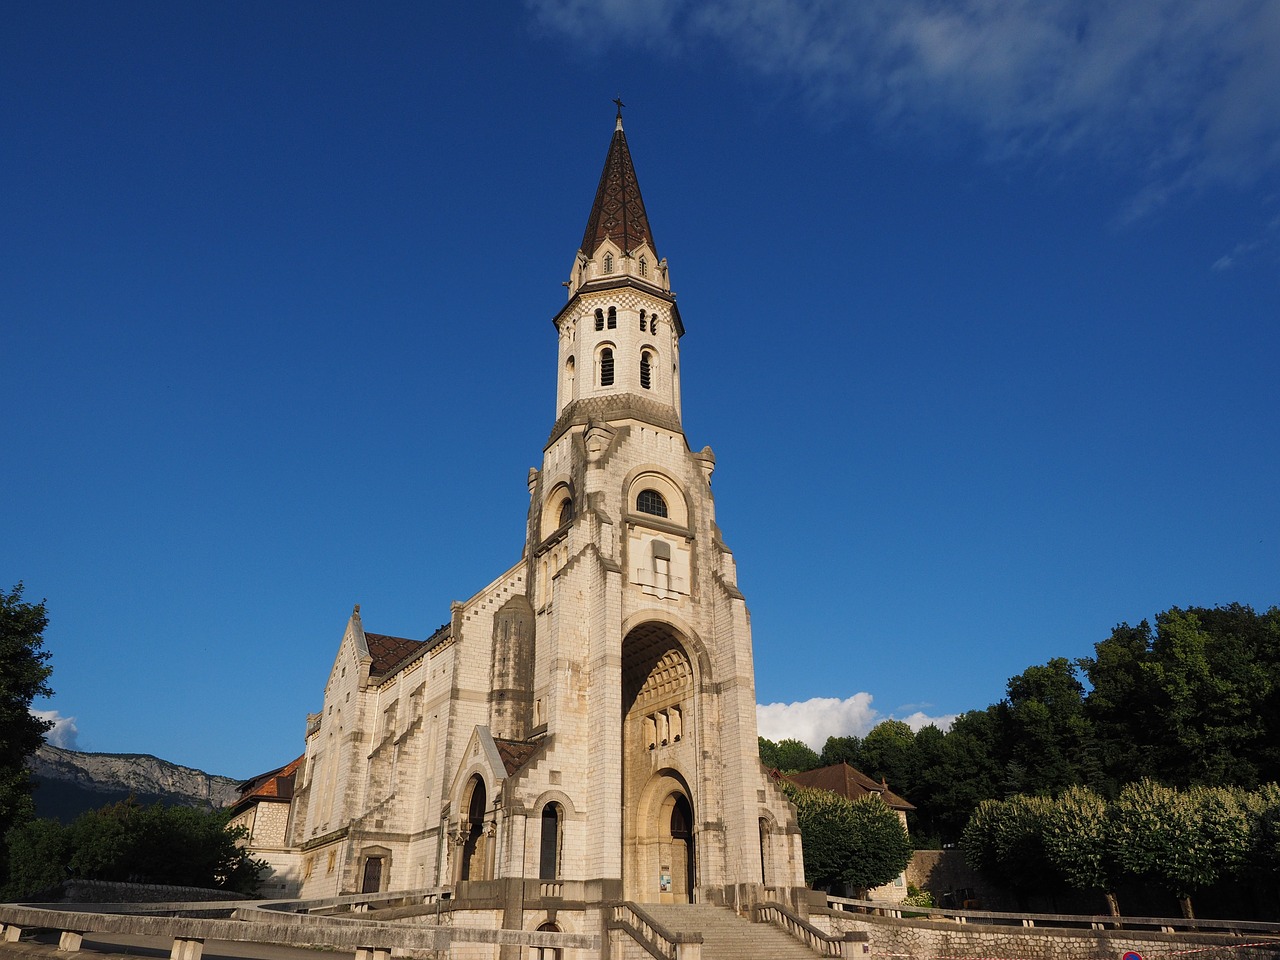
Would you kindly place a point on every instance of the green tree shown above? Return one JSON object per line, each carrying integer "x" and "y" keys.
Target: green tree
{"x": 1004, "y": 840}
{"x": 958, "y": 770}
{"x": 889, "y": 752}
{"x": 1183, "y": 841}
{"x": 1263, "y": 809}
{"x": 24, "y": 675}
{"x": 182, "y": 846}
{"x": 860, "y": 843}
{"x": 1196, "y": 700}
{"x": 37, "y": 854}
{"x": 789, "y": 756}
{"x": 842, "y": 750}
{"x": 1050, "y": 742}
{"x": 1076, "y": 842}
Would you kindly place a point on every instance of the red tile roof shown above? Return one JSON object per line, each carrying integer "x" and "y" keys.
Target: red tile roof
{"x": 273, "y": 785}
{"x": 845, "y": 780}
{"x": 389, "y": 652}
{"x": 516, "y": 753}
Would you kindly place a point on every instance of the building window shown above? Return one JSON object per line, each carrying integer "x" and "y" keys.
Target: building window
{"x": 613, "y": 318}
{"x": 643, "y": 322}
{"x": 608, "y": 263}
{"x": 644, "y": 267}
{"x": 599, "y": 319}
{"x": 645, "y": 365}
{"x": 606, "y": 367}
{"x": 566, "y": 511}
{"x": 549, "y": 849}
{"x": 650, "y": 501}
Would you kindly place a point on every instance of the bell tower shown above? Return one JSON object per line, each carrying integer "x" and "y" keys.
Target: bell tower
{"x": 620, "y": 331}
{"x": 642, "y": 684}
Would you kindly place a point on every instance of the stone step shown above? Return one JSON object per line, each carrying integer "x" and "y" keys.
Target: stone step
{"x": 727, "y": 936}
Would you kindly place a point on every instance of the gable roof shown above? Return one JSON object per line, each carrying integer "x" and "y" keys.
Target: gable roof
{"x": 388, "y": 652}
{"x": 515, "y": 753}
{"x": 845, "y": 780}
{"x": 273, "y": 785}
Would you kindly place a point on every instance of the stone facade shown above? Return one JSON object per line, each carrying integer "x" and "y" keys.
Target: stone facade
{"x": 583, "y": 727}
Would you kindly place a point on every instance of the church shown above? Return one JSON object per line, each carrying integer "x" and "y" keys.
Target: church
{"x": 582, "y": 729}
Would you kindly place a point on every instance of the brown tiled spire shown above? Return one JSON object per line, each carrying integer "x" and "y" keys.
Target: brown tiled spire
{"x": 618, "y": 212}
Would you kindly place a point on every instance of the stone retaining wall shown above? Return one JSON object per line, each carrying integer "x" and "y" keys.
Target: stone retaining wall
{"x": 923, "y": 939}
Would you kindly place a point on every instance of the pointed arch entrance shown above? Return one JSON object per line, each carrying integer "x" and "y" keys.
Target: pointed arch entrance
{"x": 659, "y": 856}
{"x": 474, "y": 861}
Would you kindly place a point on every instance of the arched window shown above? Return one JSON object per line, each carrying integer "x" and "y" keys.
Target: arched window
{"x": 644, "y": 267}
{"x": 613, "y": 318}
{"x": 599, "y": 319}
{"x": 566, "y": 511}
{"x": 645, "y": 365}
{"x": 549, "y": 848}
{"x": 568, "y": 378}
{"x": 608, "y": 263}
{"x": 650, "y": 501}
{"x": 547, "y": 953}
{"x": 653, "y": 323}
{"x": 643, "y": 322}
{"x": 606, "y": 367}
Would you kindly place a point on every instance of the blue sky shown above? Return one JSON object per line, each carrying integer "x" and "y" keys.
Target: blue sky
{"x": 981, "y": 304}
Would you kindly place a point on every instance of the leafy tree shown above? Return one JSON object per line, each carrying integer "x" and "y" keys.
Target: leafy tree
{"x": 958, "y": 770}
{"x": 38, "y": 853}
{"x": 861, "y": 843}
{"x": 1004, "y": 840}
{"x": 1049, "y": 738}
{"x": 24, "y": 675}
{"x": 889, "y": 752}
{"x": 1263, "y": 809}
{"x": 1077, "y": 843}
{"x": 789, "y": 756}
{"x": 181, "y": 846}
{"x": 1196, "y": 700}
{"x": 842, "y": 750}
{"x": 1182, "y": 840}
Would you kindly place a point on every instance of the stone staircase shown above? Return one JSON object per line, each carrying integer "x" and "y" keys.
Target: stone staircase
{"x": 727, "y": 936}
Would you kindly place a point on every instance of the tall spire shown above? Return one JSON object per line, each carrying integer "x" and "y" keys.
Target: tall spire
{"x": 618, "y": 211}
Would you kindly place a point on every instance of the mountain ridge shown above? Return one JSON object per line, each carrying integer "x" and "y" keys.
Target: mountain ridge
{"x": 69, "y": 782}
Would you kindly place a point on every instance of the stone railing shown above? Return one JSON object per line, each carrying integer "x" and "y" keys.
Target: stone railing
{"x": 290, "y": 923}
{"x": 825, "y": 944}
{"x": 657, "y": 940}
{"x": 1060, "y": 920}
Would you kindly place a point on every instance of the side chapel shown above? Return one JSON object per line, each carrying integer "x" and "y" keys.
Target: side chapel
{"x": 584, "y": 727}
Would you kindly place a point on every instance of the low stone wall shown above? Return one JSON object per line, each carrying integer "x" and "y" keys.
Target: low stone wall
{"x": 927, "y": 939}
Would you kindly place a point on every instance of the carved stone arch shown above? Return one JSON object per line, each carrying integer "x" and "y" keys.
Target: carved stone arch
{"x": 688, "y": 637}
{"x": 654, "y": 477}
{"x": 560, "y": 488}
{"x": 553, "y": 796}
{"x": 663, "y": 866}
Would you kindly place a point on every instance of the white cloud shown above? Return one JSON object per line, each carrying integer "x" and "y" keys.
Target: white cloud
{"x": 1180, "y": 91}
{"x": 812, "y": 721}
{"x": 63, "y": 733}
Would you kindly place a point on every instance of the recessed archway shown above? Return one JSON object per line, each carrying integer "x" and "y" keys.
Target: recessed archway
{"x": 474, "y": 860}
{"x": 659, "y": 717}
